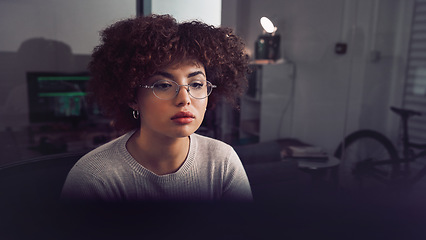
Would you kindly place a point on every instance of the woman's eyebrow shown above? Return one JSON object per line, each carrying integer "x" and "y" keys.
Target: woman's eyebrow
{"x": 170, "y": 76}
{"x": 195, "y": 74}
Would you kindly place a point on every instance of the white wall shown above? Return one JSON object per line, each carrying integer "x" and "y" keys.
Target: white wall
{"x": 76, "y": 22}
{"x": 334, "y": 94}
{"x": 208, "y": 11}
{"x": 47, "y": 35}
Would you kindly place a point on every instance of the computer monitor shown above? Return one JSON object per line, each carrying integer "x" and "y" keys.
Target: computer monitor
{"x": 59, "y": 97}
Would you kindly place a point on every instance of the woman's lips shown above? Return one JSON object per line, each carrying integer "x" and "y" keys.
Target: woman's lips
{"x": 183, "y": 118}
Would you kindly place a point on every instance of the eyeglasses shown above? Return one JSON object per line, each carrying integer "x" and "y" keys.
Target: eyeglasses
{"x": 168, "y": 89}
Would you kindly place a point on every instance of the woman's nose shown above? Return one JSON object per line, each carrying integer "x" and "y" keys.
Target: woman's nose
{"x": 183, "y": 97}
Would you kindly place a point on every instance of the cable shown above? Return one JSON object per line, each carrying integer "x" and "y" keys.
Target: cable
{"x": 289, "y": 102}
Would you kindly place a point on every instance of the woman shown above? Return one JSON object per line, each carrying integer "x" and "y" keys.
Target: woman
{"x": 153, "y": 77}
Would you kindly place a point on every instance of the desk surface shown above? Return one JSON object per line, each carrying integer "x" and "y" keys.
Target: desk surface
{"x": 18, "y": 146}
{"x": 314, "y": 164}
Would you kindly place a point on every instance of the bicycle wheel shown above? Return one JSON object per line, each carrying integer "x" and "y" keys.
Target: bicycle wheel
{"x": 365, "y": 156}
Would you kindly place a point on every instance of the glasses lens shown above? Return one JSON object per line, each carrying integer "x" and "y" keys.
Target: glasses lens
{"x": 199, "y": 89}
{"x": 165, "y": 89}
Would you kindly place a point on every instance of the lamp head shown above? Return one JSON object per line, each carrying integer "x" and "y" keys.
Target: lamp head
{"x": 267, "y": 45}
{"x": 267, "y": 25}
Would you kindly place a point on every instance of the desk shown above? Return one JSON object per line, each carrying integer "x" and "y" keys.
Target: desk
{"x": 312, "y": 164}
{"x": 320, "y": 170}
{"x": 276, "y": 181}
{"x": 34, "y": 141}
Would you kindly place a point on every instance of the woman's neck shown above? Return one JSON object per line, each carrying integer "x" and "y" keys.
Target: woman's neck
{"x": 159, "y": 154}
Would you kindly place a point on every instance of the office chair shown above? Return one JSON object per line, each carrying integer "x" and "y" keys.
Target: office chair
{"x": 36, "y": 181}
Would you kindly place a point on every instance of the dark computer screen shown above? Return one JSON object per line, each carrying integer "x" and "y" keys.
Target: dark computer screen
{"x": 59, "y": 97}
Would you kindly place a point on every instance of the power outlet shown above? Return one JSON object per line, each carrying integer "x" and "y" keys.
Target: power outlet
{"x": 341, "y": 48}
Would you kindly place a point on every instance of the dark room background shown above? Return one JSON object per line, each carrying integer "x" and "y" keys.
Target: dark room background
{"x": 315, "y": 95}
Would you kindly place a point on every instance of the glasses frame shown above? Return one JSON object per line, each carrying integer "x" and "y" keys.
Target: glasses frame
{"x": 178, "y": 89}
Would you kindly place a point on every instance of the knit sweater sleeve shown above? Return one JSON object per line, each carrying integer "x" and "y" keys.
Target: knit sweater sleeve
{"x": 84, "y": 186}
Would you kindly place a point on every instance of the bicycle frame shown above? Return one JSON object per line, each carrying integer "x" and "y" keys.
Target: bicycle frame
{"x": 406, "y": 144}
{"x": 370, "y": 164}
{"x": 373, "y": 168}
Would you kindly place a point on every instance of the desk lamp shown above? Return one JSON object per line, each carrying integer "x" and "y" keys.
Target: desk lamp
{"x": 267, "y": 45}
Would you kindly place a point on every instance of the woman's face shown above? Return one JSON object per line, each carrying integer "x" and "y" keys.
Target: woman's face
{"x": 176, "y": 117}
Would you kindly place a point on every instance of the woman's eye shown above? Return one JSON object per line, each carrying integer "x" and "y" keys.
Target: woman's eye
{"x": 163, "y": 86}
{"x": 196, "y": 85}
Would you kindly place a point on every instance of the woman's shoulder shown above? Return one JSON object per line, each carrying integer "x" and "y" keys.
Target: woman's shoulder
{"x": 105, "y": 155}
{"x": 209, "y": 143}
{"x": 213, "y": 150}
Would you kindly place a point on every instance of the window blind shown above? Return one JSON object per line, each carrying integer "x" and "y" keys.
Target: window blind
{"x": 415, "y": 86}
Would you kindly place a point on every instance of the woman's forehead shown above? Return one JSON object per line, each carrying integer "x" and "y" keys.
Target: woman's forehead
{"x": 184, "y": 62}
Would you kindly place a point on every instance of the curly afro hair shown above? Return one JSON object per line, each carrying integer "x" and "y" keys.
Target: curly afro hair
{"x": 134, "y": 49}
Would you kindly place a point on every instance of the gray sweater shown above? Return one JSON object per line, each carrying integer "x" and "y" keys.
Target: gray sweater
{"x": 211, "y": 171}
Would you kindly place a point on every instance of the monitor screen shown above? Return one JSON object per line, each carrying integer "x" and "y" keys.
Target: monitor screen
{"x": 59, "y": 97}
